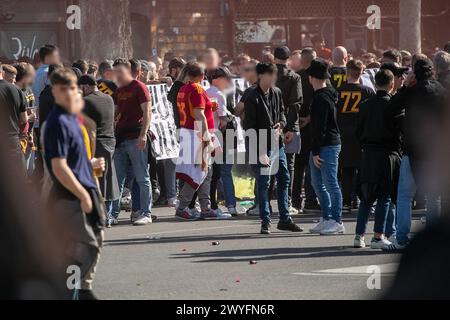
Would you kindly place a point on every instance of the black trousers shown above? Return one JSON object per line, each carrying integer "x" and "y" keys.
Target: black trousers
{"x": 302, "y": 179}
{"x": 348, "y": 184}
{"x": 213, "y": 188}
{"x": 290, "y": 157}
{"x": 157, "y": 175}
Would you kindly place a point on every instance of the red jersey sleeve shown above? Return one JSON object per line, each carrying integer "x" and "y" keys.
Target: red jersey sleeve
{"x": 197, "y": 98}
{"x": 143, "y": 94}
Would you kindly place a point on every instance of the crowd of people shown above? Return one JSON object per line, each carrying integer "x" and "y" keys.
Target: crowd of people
{"x": 335, "y": 133}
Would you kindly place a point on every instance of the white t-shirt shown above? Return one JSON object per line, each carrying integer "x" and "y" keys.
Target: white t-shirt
{"x": 222, "y": 111}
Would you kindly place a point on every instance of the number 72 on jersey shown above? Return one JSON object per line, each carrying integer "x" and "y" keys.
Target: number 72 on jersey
{"x": 352, "y": 100}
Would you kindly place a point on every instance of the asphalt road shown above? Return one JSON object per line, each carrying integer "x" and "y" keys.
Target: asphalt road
{"x": 172, "y": 259}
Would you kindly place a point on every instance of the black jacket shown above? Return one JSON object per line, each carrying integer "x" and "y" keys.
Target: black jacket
{"x": 378, "y": 130}
{"x": 172, "y": 97}
{"x": 264, "y": 111}
{"x": 290, "y": 84}
{"x": 325, "y": 130}
{"x": 424, "y": 105}
{"x": 46, "y": 103}
{"x": 378, "y": 125}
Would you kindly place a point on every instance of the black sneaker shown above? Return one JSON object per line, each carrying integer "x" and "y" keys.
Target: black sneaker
{"x": 161, "y": 202}
{"x": 289, "y": 226}
{"x": 265, "y": 228}
{"x": 86, "y": 295}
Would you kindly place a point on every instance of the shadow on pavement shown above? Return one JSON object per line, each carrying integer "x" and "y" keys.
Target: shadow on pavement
{"x": 266, "y": 254}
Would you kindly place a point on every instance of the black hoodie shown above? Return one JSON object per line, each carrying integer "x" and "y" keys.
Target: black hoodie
{"x": 424, "y": 105}
{"x": 290, "y": 84}
{"x": 325, "y": 130}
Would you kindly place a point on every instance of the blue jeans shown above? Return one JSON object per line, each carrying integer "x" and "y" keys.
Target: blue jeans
{"x": 108, "y": 208}
{"x": 325, "y": 182}
{"x": 406, "y": 191}
{"x": 127, "y": 154}
{"x": 135, "y": 196}
{"x": 263, "y": 183}
{"x": 381, "y": 212}
{"x": 390, "y": 227}
{"x": 228, "y": 185}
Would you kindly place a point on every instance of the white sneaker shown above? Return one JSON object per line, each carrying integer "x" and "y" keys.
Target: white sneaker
{"x": 173, "y": 202}
{"x": 318, "y": 228}
{"x": 332, "y": 227}
{"x": 292, "y": 211}
{"x": 392, "y": 239}
{"x": 135, "y": 216}
{"x": 359, "y": 242}
{"x": 254, "y": 212}
{"x": 217, "y": 214}
{"x": 143, "y": 221}
{"x": 379, "y": 244}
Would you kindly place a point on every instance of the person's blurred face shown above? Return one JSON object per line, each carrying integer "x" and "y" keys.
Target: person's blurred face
{"x": 211, "y": 60}
{"x": 223, "y": 84}
{"x": 367, "y": 60}
{"x": 407, "y": 61}
{"x": 53, "y": 58}
{"x": 145, "y": 76}
{"x": 295, "y": 62}
{"x": 268, "y": 79}
{"x": 249, "y": 72}
{"x": 175, "y": 72}
{"x": 9, "y": 77}
{"x": 84, "y": 89}
{"x": 68, "y": 97}
{"x": 122, "y": 74}
{"x": 319, "y": 44}
{"x": 30, "y": 77}
{"x": 242, "y": 62}
{"x": 109, "y": 75}
{"x": 136, "y": 74}
{"x": 153, "y": 72}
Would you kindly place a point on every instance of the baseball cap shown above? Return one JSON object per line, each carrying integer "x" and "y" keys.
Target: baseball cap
{"x": 282, "y": 53}
{"x": 319, "y": 69}
{"x": 77, "y": 72}
{"x": 394, "y": 68}
{"x": 87, "y": 80}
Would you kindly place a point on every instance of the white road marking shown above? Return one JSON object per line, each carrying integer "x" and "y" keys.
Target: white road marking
{"x": 388, "y": 269}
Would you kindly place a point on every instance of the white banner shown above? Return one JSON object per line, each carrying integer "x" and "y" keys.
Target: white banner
{"x": 163, "y": 125}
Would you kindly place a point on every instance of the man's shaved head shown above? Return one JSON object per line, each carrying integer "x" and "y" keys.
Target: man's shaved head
{"x": 308, "y": 55}
{"x": 340, "y": 56}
